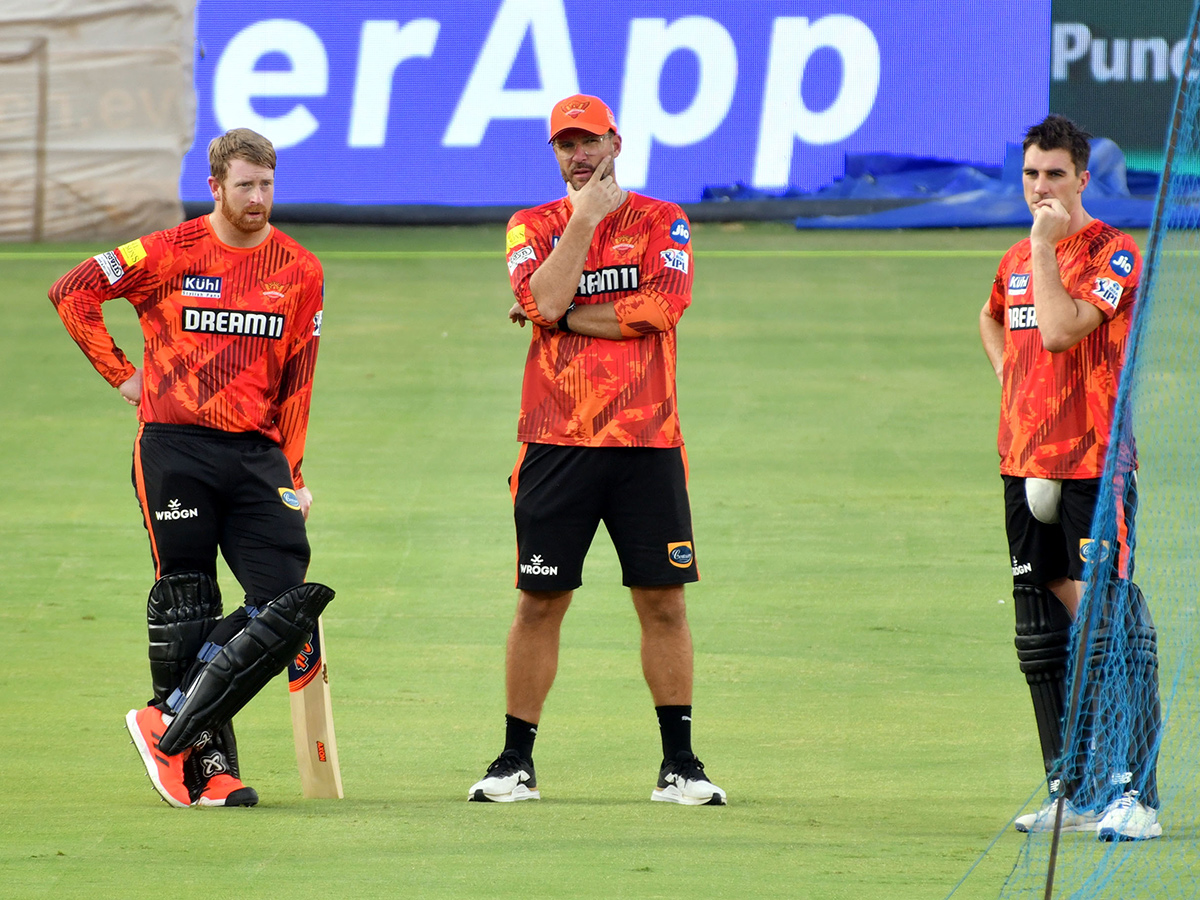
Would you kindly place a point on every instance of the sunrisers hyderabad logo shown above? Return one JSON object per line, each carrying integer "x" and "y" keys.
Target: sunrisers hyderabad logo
{"x": 275, "y": 290}
{"x": 575, "y": 108}
{"x": 680, "y": 554}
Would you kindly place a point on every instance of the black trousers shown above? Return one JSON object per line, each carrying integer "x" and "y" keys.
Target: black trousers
{"x": 202, "y": 491}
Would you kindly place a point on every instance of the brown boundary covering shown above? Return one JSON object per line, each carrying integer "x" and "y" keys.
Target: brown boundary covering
{"x": 97, "y": 109}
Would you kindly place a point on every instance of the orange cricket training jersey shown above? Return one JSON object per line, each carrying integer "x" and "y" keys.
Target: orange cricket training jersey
{"x": 594, "y": 392}
{"x": 231, "y": 333}
{"x": 1056, "y": 409}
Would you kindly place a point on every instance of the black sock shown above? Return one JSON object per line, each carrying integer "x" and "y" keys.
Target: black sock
{"x": 519, "y": 735}
{"x": 675, "y": 724}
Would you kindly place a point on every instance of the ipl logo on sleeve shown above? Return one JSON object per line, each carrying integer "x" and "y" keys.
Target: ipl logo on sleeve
{"x": 675, "y": 259}
{"x": 1109, "y": 290}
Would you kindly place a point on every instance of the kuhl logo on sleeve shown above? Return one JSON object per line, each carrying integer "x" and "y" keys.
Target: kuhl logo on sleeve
{"x": 1018, "y": 283}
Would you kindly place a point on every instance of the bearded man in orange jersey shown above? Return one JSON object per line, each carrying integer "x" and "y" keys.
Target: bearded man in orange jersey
{"x": 603, "y": 275}
{"x": 230, "y": 309}
{"x": 1055, "y": 330}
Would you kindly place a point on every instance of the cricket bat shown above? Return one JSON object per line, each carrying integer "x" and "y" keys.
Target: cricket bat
{"x": 312, "y": 721}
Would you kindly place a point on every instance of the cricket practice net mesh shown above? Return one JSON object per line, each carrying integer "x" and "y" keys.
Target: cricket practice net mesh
{"x": 1138, "y": 681}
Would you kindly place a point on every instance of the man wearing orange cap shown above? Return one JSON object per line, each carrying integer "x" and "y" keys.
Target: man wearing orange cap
{"x": 603, "y": 275}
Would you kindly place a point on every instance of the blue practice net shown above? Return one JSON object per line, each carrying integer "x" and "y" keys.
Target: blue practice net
{"x": 1135, "y": 675}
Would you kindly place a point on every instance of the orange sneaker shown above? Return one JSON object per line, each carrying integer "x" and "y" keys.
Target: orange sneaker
{"x": 225, "y": 790}
{"x": 146, "y": 727}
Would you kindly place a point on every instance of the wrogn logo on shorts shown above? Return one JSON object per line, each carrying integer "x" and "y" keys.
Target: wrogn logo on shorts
{"x": 537, "y": 566}
{"x": 175, "y": 510}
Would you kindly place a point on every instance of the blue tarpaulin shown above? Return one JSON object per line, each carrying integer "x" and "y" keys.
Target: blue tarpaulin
{"x": 931, "y": 193}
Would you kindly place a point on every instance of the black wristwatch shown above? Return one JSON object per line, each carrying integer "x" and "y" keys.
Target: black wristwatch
{"x": 562, "y": 320}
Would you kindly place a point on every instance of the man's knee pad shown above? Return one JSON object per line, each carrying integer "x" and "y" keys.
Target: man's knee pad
{"x": 1143, "y": 635}
{"x": 181, "y": 611}
{"x": 1141, "y": 661}
{"x": 1124, "y": 627}
{"x": 1043, "y": 644}
{"x": 241, "y": 668}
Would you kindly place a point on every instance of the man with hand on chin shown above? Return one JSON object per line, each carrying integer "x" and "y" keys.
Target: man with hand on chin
{"x": 1055, "y": 330}
{"x": 603, "y": 275}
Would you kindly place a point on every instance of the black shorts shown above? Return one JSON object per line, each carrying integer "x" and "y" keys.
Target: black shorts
{"x": 203, "y": 490}
{"x": 560, "y": 495}
{"x": 1043, "y": 553}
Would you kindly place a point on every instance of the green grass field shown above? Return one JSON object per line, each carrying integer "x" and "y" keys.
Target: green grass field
{"x": 857, "y": 690}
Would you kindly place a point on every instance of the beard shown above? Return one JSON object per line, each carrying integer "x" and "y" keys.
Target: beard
{"x": 242, "y": 221}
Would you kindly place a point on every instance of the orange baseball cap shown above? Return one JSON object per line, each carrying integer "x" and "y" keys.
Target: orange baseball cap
{"x": 582, "y": 111}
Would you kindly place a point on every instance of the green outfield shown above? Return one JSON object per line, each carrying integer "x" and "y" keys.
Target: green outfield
{"x": 857, "y": 689}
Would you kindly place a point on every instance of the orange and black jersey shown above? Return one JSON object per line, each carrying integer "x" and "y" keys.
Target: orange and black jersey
{"x": 231, "y": 333}
{"x": 1056, "y": 409}
{"x": 594, "y": 392}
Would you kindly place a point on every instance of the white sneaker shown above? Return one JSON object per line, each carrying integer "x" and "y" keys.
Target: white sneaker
{"x": 1073, "y": 818}
{"x": 682, "y": 780}
{"x": 507, "y": 780}
{"x": 1127, "y": 819}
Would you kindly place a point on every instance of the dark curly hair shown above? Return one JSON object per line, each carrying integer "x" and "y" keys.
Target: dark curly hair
{"x": 1059, "y": 133}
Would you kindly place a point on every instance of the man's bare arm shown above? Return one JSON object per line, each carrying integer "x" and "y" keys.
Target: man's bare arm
{"x": 991, "y": 333}
{"x": 554, "y": 284}
{"x": 1063, "y": 320}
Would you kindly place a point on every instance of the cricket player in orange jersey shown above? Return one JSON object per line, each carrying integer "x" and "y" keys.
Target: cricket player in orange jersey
{"x": 230, "y": 310}
{"x": 603, "y": 275}
{"x": 1055, "y": 330}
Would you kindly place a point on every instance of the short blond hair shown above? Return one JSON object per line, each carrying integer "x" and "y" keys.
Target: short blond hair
{"x": 239, "y": 143}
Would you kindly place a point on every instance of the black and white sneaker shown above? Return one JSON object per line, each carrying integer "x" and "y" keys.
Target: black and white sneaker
{"x": 682, "y": 780}
{"x": 507, "y": 780}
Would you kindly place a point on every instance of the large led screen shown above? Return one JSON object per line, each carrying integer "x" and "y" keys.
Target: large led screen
{"x": 422, "y": 102}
